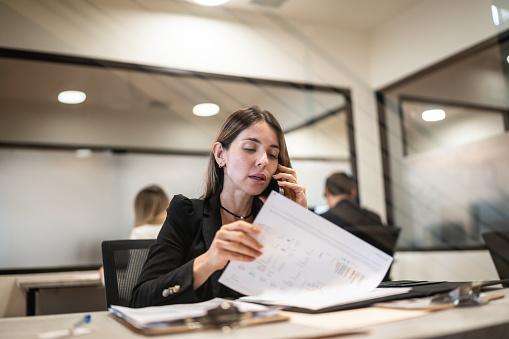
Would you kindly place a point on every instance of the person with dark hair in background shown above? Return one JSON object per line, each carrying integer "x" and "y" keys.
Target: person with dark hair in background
{"x": 340, "y": 192}
{"x": 149, "y": 212}
{"x": 248, "y": 159}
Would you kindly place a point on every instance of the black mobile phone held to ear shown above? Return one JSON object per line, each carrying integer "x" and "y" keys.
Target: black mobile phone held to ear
{"x": 273, "y": 186}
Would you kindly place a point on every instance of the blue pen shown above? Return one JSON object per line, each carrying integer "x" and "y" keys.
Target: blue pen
{"x": 68, "y": 332}
{"x": 85, "y": 320}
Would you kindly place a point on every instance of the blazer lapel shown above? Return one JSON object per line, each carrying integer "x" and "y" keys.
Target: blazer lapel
{"x": 211, "y": 219}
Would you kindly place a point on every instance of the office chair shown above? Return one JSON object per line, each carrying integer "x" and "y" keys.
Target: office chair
{"x": 122, "y": 263}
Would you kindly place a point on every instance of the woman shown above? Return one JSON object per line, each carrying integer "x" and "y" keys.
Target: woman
{"x": 204, "y": 234}
{"x": 149, "y": 212}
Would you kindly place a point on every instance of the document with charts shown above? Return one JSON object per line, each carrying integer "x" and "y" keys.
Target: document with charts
{"x": 307, "y": 261}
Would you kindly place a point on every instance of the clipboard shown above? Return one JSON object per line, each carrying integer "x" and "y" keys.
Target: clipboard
{"x": 184, "y": 328}
{"x": 224, "y": 317}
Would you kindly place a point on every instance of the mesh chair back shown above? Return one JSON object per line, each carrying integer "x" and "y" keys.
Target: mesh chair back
{"x": 122, "y": 262}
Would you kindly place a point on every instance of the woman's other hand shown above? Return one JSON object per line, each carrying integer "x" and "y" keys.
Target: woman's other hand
{"x": 232, "y": 242}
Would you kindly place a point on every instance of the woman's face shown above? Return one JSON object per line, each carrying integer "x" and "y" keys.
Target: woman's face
{"x": 252, "y": 159}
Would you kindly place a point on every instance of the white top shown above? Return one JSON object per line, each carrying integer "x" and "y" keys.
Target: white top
{"x": 145, "y": 232}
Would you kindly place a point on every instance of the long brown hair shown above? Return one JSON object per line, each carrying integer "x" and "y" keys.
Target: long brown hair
{"x": 148, "y": 205}
{"x": 232, "y": 127}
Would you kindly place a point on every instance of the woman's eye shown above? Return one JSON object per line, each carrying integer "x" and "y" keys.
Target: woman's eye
{"x": 273, "y": 156}
{"x": 249, "y": 149}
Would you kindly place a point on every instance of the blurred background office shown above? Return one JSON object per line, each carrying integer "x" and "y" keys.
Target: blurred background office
{"x": 348, "y": 80}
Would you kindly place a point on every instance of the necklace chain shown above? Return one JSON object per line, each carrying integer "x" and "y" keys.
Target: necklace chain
{"x": 235, "y": 215}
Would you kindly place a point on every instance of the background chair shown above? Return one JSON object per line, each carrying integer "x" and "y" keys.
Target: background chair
{"x": 122, "y": 262}
{"x": 385, "y": 238}
{"x": 497, "y": 243}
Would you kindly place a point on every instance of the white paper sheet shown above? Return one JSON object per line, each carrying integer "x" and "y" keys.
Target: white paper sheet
{"x": 307, "y": 261}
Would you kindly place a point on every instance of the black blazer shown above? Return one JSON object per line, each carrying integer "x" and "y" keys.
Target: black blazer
{"x": 188, "y": 231}
{"x": 348, "y": 213}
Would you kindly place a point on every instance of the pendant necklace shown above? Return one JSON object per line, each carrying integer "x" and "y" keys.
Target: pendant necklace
{"x": 235, "y": 215}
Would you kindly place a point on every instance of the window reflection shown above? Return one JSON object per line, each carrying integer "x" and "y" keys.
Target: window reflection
{"x": 461, "y": 125}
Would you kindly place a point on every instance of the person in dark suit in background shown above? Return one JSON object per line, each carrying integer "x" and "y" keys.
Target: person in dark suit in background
{"x": 340, "y": 192}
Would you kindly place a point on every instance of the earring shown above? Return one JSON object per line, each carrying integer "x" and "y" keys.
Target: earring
{"x": 220, "y": 165}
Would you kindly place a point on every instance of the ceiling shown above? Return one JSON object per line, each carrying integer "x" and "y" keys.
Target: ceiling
{"x": 363, "y": 15}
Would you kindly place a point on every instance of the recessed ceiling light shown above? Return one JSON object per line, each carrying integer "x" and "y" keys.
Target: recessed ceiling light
{"x": 205, "y": 110}
{"x": 507, "y": 59}
{"x": 83, "y": 153}
{"x": 210, "y": 2}
{"x": 71, "y": 97}
{"x": 433, "y": 115}
{"x": 494, "y": 14}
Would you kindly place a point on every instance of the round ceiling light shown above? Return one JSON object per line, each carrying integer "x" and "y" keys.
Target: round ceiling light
{"x": 71, "y": 97}
{"x": 83, "y": 153}
{"x": 433, "y": 115}
{"x": 210, "y": 2}
{"x": 205, "y": 110}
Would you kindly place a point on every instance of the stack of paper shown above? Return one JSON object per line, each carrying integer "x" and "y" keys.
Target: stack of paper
{"x": 307, "y": 261}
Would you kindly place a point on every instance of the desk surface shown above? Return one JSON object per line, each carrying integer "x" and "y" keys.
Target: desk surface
{"x": 491, "y": 320}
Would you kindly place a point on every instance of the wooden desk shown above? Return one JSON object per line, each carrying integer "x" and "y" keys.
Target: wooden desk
{"x": 30, "y": 285}
{"x": 487, "y": 321}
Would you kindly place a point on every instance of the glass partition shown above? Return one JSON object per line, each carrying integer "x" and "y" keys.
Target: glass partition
{"x": 446, "y": 175}
{"x": 73, "y": 170}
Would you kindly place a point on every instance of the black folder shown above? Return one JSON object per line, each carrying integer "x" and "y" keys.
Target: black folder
{"x": 420, "y": 290}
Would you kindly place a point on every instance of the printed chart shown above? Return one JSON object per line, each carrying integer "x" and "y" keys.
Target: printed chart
{"x": 304, "y": 253}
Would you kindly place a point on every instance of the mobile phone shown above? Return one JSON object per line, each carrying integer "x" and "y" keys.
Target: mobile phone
{"x": 273, "y": 186}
